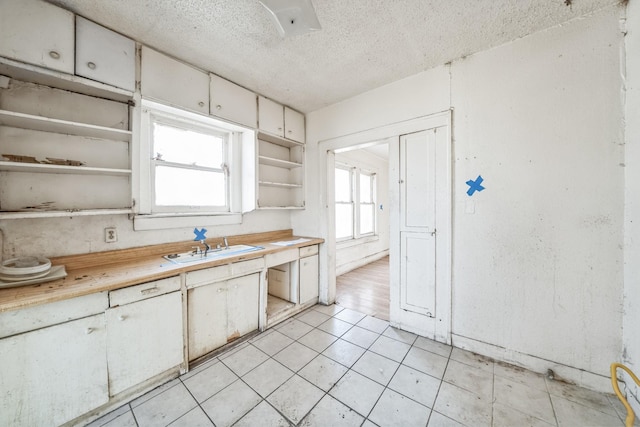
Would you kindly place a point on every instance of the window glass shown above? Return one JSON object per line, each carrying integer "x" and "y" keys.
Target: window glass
{"x": 343, "y": 185}
{"x": 366, "y": 187}
{"x": 188, "y": 187}
{"x": 344, "y": 220}
{"x": 177, "y": 145}
{"x": 366, "y": 219}
{"x": 189, "y": 167}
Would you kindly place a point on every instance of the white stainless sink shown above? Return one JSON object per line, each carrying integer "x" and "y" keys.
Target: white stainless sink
{"x": 213, "y": 254}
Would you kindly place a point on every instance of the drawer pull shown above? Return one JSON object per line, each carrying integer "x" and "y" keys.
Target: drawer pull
{"x": 88, "y": 331}
{"x": 122, "y": 317}
{"x": 91, "y": 65}
{"x": 220, "y": 290}
{"x": 149, "y": 290}
{"x": 53, "y": 54}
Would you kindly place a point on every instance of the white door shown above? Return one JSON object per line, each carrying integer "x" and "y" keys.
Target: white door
{"x": 421, "y": 223}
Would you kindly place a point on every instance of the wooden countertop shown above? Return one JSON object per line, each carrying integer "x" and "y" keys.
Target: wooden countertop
{"x": 105, "y": 271}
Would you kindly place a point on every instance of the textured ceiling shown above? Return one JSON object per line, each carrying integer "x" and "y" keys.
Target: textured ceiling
{"x": 363, "y": 44}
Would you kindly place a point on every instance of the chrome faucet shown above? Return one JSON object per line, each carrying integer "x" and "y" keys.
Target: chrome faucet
{"x": 207, "y": 248}
{"x": 226, "y": 243}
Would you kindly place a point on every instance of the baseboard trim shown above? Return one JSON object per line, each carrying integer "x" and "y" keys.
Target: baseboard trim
{"x": 580, "y": 377}
{"x": 345, "y": 268}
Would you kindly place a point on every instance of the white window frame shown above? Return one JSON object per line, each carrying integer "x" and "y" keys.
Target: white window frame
{"x": 354, "y": 178}
{"x": 240, "y": 179}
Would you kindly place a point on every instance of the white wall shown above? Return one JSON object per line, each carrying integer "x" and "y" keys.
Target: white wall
{"x": 538, "y": 266}
{"x": 537, "y": 269}
{"x": 631, "y": 318}
{"x": 354, "y": 254}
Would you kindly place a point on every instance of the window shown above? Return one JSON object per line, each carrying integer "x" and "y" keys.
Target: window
{"x": 355, "y": 203}
{"x": 191, "y": 169}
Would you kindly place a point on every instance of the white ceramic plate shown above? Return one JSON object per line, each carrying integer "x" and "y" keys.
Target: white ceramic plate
{"x": 23, "y": 277}
{"x": 24, "y": 266}
{"x": 56, "y": 272}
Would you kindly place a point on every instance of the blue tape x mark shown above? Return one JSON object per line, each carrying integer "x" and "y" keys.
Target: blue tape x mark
{"x": 200, "y": 234}
{"x": 475, "y": 185}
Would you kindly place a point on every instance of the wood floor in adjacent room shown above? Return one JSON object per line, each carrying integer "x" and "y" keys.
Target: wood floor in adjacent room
{"x": 366, "y": 289}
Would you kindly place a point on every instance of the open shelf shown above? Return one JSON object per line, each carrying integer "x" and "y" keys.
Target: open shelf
{"x": 279, "y": 140}
{"x": 61, "y": 213}
{"x": 28, "y": 121}
{"x": 45, "y": 168}
{"x": 271, "y": 161}
{"x": 44, "y": 76}
{"x": 279, "y": 184}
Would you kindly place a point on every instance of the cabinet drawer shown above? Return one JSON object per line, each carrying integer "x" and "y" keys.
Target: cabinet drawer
{"x": 308, "y": 251}
{"x": 281, "y": 257}
{"x": 143, "y": 291}
{"x": 223, "y": 272}
{"x": 32, "y": 318}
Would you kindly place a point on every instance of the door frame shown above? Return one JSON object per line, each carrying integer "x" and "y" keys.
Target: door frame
{"x": 391, "y": 132}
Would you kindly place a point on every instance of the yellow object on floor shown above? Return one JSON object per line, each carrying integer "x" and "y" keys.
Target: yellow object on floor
{"x": 614, "y": 381}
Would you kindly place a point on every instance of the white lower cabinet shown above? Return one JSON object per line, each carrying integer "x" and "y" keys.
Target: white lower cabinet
{"x": 144, "y": 339}
{"x": 308, "y": 279}
{"x": 55, "y": 374}
{"x": 221, "y": 312}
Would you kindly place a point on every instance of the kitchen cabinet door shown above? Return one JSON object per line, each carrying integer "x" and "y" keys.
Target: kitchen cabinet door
{"x": 37, "y": 32}
{"x": 221, "y": 312}
{"x": 294, "y": 125}
{"x": 308, "y": 279}
{"x": 144, "y": 339}
{"x": 104, "y": 55}
{"x": 53, "y": 375}
{"x": 166, "y": 79}
{"x": 270, "y": 116}
{"x": 242, "y": 305}
{"x": 207, "y": 318}
{"x": 232, "y": 102}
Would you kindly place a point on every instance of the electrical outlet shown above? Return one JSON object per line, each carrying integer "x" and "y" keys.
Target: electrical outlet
{"x": 110, "y": 235}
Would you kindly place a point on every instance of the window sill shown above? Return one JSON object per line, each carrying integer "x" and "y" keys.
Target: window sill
{"x": 167, "y": 221}
{"x": 355, "y": 242}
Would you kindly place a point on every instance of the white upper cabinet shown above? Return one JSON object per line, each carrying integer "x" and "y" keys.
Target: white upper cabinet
{"x": 104, "y": 55}
{"x": 37, "y": 32}
{"x": 232, "y": 102}
{"x": 293, "y": 125}
{"x": 279, "y": 120}
{"x": 270, "y": 116}
{"x": 166, "y": 79}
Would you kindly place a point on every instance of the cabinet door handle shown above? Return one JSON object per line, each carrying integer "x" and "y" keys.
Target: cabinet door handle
{"x": 54, "y": 54}
{"x": 91, "y": 65}
{"x": 279, "y": 128}
{"x": 149, "y": 290}
{"x": 88, "y": 331}
{"x": 201, "y": 104}
{"x": 218, "y": 107}
{"x": 122, "y": 317}
{"x": 220, "y": 290}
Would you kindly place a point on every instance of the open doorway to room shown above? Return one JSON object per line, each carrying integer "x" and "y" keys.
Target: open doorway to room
{"x": 362, "y": 229}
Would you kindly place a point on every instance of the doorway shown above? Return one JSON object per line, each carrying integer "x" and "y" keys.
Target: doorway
{"x": 405, "y": 282}
{"x": 362, "y": 228}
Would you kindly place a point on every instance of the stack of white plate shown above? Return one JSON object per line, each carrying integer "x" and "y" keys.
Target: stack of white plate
{"x": 24, "y": 268}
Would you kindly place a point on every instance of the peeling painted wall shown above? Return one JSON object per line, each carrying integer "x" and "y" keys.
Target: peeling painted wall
{"x": 538, "y": 265}
{"x": 66, "y": 236}
{"x": 631, "y": 319}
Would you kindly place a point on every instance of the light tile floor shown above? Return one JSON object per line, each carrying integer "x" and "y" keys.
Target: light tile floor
{"x": 331, "y": 366}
